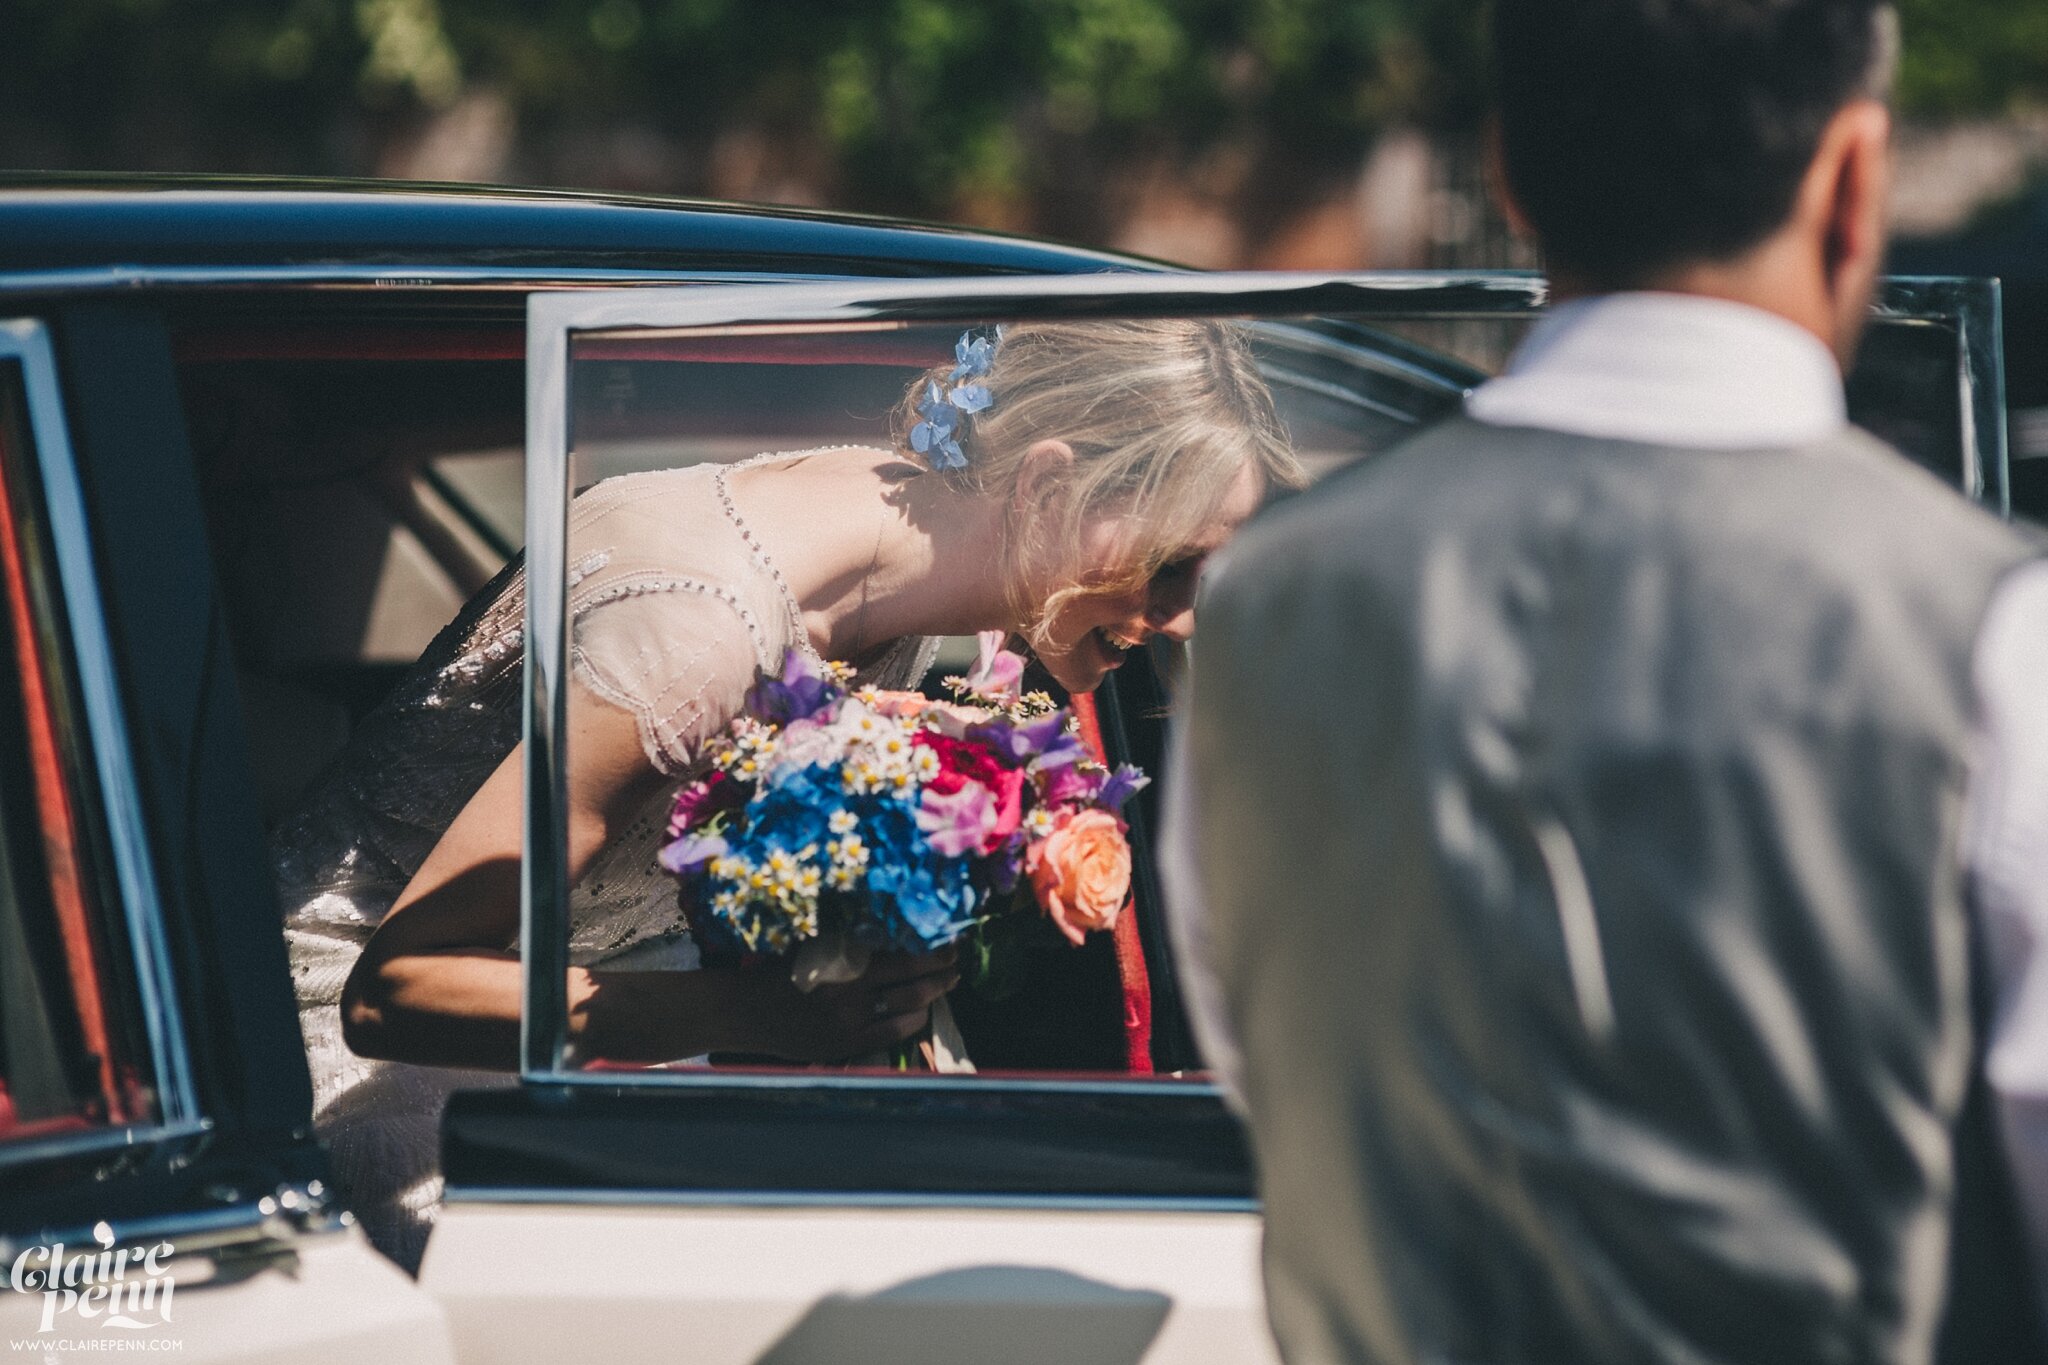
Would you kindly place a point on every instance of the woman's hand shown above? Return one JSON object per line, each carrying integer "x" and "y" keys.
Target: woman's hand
{"x": 881, "y": 1007}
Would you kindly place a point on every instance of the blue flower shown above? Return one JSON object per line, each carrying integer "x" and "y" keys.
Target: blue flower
{"x": 972, "y": 356}
{"x": 919, "y": 900}
{"x": 938, "y": 435}
{"x": 794, "y": 810}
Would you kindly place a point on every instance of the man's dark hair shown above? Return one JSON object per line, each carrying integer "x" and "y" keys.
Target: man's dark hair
{"x": 1642, "y": 134}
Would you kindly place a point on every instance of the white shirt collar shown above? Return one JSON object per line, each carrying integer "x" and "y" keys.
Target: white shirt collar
{"x": 1669, "y": 369}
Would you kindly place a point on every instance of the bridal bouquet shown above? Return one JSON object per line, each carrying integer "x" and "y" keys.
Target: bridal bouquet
{"x": 835, "y": 821}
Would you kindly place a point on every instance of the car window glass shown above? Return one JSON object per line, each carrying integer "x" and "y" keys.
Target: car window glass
{"x": 1902, "y": 387}
{"x": 73, "y": 1055}
{"x": 679, "y": 547}
{"x": 354, "y": 505}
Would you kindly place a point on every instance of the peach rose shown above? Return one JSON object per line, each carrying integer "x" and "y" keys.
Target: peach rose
{"x": 901, "y": 705}
{"x": 1082, "y": 872}
{"x": 947, "y": 717}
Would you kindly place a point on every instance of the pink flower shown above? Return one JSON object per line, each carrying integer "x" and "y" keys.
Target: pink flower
{"x": 1009, "y": 793}
{"x": 1081, "y": 872}
{"x": 952, "y": 719}
{"x": 957, "y": 822}
{"x": 701, "y": 800}
{"x": 963, "y": 764}
{"x": 960, "y": 760}
{"x": 804, "y": 742}
{"x": 997, "y": 672}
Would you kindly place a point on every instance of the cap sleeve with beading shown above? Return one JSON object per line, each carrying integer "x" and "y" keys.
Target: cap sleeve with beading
{"x": 674, "y": 617}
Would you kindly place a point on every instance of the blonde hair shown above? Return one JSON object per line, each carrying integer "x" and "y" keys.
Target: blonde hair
{"x": 1162, "y": 415}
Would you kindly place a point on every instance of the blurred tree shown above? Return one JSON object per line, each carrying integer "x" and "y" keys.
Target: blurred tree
{"x": 1965, "y": 57}
{"x": 1046, "y": 115}
{"x": 1029, "y": 112}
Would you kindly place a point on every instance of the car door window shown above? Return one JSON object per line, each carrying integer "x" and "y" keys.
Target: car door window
{"x": 90, "y": 1054}
{"x": 638, "y": 389}
{"x": 661, "y": 421}
{"x": 1928, "y": 376}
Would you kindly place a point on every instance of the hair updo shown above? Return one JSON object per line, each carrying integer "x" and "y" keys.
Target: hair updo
{"x": 1162, "y": 416}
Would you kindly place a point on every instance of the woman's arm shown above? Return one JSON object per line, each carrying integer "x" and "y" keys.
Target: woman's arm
{"x": 436, "y": 985}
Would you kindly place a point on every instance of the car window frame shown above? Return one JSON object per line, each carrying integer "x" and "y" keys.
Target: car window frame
{"x": 1971, "y": 306}
{"x": 25, "y": 341}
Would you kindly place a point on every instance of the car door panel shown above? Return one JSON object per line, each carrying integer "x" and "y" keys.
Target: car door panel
{"x": 184, "y": 1148}
{"x": 848, "y": 1285}
{"x": 319, "y": 1298}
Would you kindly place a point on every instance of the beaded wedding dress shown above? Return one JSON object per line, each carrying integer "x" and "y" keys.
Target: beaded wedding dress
{"x": 674, "y": 607}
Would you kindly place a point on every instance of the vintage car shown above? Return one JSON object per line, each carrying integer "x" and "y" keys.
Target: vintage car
{"x": 258, "y": 443}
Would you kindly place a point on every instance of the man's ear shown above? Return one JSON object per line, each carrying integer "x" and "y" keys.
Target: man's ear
{"x": 1845, "y": 201}
{"x": 1496, "y": 171}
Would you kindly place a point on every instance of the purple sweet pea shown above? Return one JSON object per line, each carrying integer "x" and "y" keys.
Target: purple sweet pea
{"x": 798, "y": 694}
{"x": 691, "y": 852}
{"x": 1006, "y": 864}
{"x": 1060, "y": 749}
{"x": 1041, "y": 743}
{"x": 1126, "y": 782}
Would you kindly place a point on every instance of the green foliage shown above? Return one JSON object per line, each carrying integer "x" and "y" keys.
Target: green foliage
{"x": 910, "y": 106}
{"x": 913, "y": 104}
{"x": 1966, "y": 57}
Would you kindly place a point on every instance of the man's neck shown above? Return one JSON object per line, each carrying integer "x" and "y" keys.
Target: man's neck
{"x": 1669, "y": 369}
{"x": 1772, "y": 277}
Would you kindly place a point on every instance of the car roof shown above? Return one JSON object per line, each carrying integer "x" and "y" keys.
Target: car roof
{"x": 55, "y": 222}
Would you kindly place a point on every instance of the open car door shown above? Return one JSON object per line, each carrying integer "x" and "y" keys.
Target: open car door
{"x": 160, "y": 1186}
{"x": 1084, "y": 1196}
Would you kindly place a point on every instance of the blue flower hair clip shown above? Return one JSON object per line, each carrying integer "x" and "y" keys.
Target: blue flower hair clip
{"x": 938, "y": 435}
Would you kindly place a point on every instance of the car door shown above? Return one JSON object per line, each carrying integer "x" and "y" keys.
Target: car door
{"x": 159, "y": 1186}
{"x": 1085, "y": 1201}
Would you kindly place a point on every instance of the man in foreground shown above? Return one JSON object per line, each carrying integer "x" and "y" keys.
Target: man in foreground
{"x": 1571, "y": 827}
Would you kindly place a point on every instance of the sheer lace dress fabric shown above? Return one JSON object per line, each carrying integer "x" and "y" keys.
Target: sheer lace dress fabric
{"x": 674, "y": 607}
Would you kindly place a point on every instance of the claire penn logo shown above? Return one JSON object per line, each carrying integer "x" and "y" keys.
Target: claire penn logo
{"x": 128, "y": 1290}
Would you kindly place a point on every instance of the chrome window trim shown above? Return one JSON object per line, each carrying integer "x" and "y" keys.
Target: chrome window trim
{"x": 291, "y": 1212}
{"x": 373, "y": 277}
{"x": 707, "y": 1078}
{"x": 1976, "y": 307}
{"x": 1971, "y": 305}
{"x": 27, "y": 341}
{"x": 544, "y": 866}
{"x": 801, "y": 1199}
{"x": 26, "y": 1151}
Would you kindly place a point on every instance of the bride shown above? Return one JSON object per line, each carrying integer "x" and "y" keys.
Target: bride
{"x": 1063, "y": 482}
